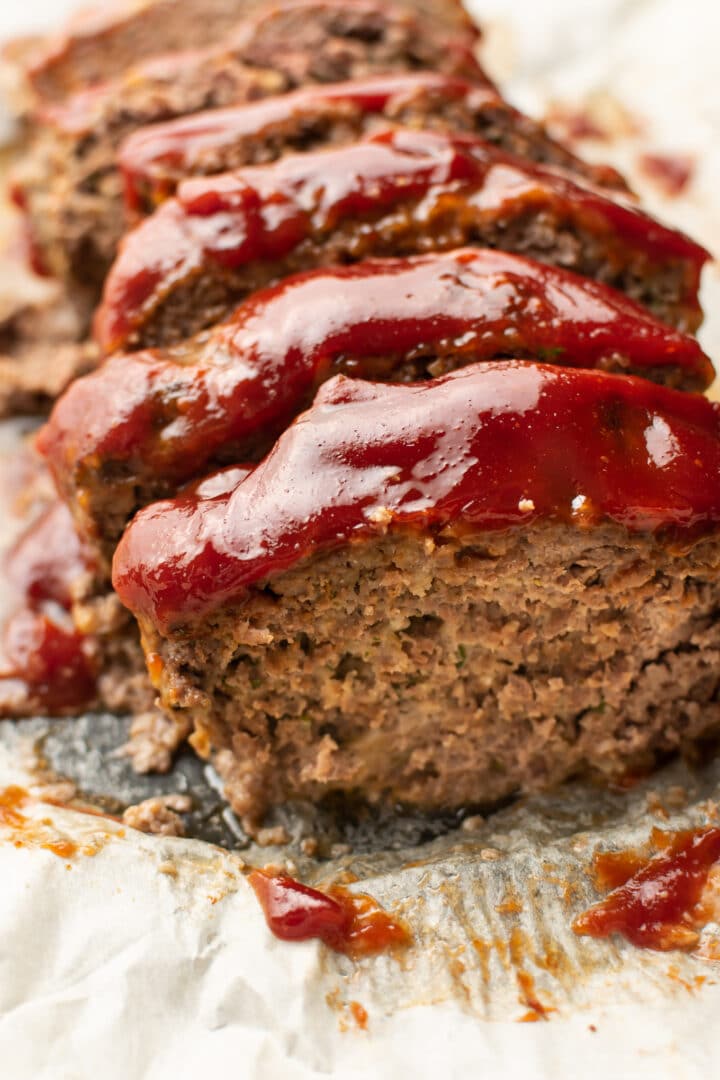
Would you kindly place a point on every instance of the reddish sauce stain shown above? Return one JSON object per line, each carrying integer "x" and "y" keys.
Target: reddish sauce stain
{"x": 653, "y": 900}
{"x": 528, "y": 996}
{"x": 46, "y": 664}
{"x": 346, "y": 922}
{"x": 227, "y": 395}
{"x": 359, "y": 1015}
{"x": 12, "y": 800}
{"x": 671, "y": 172}
{"x": 29, "y": 832}
{"x": 435, "y": 187}
{"x": 491, "y": 446}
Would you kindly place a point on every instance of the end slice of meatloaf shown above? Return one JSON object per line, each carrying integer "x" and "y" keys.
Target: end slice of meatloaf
{"x": 68, "y": 183}
{"x": 101, "y": 43}
{"x": 156, "y": 158}
{"x": 43, "y": 337}
{"x": 439, "y": 595}
{"x": 146, "y": 422}
{"x": 401, "y": 192}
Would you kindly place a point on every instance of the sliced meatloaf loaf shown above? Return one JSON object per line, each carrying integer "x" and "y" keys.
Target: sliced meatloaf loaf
{"x": 100, "y": 44}
{"x": 441, "y": 594}
{"x": 146, "y": 422}
{"x": 397, "y": 193}
{"x": 68, "y": 183}
{"x": 156, "y": 158}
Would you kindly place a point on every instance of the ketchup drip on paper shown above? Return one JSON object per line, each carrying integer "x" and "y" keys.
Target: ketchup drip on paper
{"x": 346, "y": 922}
{"x": 655, "y": 901}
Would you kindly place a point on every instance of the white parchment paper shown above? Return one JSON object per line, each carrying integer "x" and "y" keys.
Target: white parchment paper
{"x": 149, "y": 958}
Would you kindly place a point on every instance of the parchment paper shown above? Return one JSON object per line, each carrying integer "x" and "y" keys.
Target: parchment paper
{"x": 149, "y": 957}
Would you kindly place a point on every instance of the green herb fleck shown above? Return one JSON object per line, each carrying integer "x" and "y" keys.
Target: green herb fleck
{"x": 553, "y": 352}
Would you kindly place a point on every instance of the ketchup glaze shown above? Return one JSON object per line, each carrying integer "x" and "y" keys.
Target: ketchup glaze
{"x": 431, "y": 185}
{"x": 489, "y": 447}
{"x": 169, "y": 413}
{"x": 46, "y": 664}
{"x": 154, "y": 158}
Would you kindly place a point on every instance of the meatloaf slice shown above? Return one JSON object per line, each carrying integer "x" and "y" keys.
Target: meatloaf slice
{"x": 146, "y": 422}
{"x": 101, "y": 43}
{"x": 442, "y": 594}
{"x": 155, "y": 159}
{"x": 397, "y": 193}
{"x": 68, "y": 183}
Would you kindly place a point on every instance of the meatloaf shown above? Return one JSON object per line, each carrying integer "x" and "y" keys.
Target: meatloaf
{"x": 156, "y": 158}
{"x": 441, "y": 594}
{"x": 396, "y": 193}
{"x": 146, "y": 422}
{"x": 101, "y": 44}
{"x": 43, "y": 342}
{"x": 68, "y": 183}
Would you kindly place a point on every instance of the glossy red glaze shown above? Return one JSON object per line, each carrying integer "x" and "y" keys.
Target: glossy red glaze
{"x": 653, "y": 908}
{"x": 491, "y": 446}
{"x": 245, "y": 381}
{"x": 43, "y": 656}
{"x": 155, "y": 157}
{"x": 48, "y": 659}
{"x": 347, "y": 922}
{"x": 264, "y": 213}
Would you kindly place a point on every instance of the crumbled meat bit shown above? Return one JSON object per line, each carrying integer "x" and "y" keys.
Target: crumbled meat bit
{"x": 59, "y": 792}
{"x": 154, "y": 740}
{"x": 273, "y": 837}
{"x": 159, "y": 815}
{"x": 338, "y": 851}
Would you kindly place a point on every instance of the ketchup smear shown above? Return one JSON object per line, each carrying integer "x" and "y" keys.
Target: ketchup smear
{"x": 653, "y": 900}
{"x": 349, "y": 923}
{"x": 46, "y": 664}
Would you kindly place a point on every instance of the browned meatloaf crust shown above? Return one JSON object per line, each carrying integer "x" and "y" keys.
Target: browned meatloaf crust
{"x": 68, "y": 183}
{"x": 442, "y": 595}
{"x": 101, "y": 44}
{"x": 400, "y": 192}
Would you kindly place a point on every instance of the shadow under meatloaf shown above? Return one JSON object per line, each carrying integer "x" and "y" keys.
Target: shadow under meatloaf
{"x": 155, "y": 159}
{"x": 441, "y": 595}
{"x": 101, "y": 43}
{"x": 68, "y": 183}
{"x": 401, "y": 192}
{"x": 145, "y": 423}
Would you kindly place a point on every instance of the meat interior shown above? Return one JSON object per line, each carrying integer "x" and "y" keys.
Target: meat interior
{"x": 452, "y": 671}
